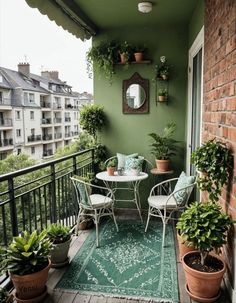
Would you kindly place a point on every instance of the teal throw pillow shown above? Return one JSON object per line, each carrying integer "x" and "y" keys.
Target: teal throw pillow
{"x": 134, "y": 163}
{"x": 183, "y": 181}
{"x": 122, "y": 159}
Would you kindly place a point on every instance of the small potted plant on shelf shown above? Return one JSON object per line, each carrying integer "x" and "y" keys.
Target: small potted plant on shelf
{"x": 125, "y": 51}
{"x": 214, "y": 162}
{"x": 162, "y": 69}
{"x": 205, "y": 226}
{"x": 163, "y": 146}
{"x": 60, "y": 236}
{"x": 27, "y": 261}
{"x": 111, "y": 166}
{"x": 162, "y": 95}
{"x": 139, "y": 51}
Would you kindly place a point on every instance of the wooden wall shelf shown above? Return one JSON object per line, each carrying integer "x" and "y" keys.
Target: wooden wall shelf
{"x": 134, "y": 62}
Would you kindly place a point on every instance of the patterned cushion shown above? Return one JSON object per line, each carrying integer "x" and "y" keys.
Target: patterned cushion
{"x": 183, "y": 181}
{"x": 84, "y": 190}
{"x": 134, "y": 163}
{"x": 122, "y": 159}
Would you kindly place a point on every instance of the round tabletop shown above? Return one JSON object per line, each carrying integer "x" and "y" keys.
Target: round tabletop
{"x": 117, "y": 178}
{"x": 155, "y": 171}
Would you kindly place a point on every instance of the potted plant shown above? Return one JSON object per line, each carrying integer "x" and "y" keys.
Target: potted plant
{"x": 27, "y": 261}
{"x": 125, "y": 50}
{"x": 139, "y": 52}
{"x": 102, "y": 57}
{"x": 162, "y": 95}
{"x": 162, "y": 69}
{"x": 60, "y": 236}
{"x": 111, "y": 166}
{"x": 5, "y": 297}
{"x": 215, "y": 161}
{"x": 163, "y": 146}
{"x": 205, "y": 226}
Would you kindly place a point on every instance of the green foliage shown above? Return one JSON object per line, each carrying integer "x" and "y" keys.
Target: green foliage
{"x": 162, "y": 70}
{"x": 205, "y": 226}
{"x": 140, "y": 48}
{"x": 92, "y": 119}
{"x": 112, "y": 163}
{"x": 28, "y": 253}
{"x": 58, "y": 233}
{"x": 3, "y": 295}
{"x": 103, "y": 57}
{"x": 162, "y": 92}
{"x": 164, "y": 146}
{"x": 215, "y": 160}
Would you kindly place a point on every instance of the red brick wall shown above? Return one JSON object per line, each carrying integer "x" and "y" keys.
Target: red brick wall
{"x": 219, "y": 101}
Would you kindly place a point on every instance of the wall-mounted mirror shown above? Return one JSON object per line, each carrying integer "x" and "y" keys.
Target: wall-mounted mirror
{"x": 135, "y": 95}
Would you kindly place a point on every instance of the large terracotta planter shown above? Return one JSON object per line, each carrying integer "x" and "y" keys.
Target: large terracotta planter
{"x": 183, "y": 248}
{"x": 203, "y": 286}
{"x": 162, "y": 165}
{"x": 59, "y": 254}
{"x": 32, "y": 285}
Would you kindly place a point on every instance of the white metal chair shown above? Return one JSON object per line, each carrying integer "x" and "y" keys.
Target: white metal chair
{"x": 164, "y": 201}
{"x": 93, "y": 205}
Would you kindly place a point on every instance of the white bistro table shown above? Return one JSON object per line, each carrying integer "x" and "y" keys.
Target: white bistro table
{"x": 112, "y": 182}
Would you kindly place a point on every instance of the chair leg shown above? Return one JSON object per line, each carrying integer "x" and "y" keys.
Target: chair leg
{"x": 77, "y": 223}
{"x": 114, "y": 218}
{"x": 164, "y": 233}
{"x": 96, "y": 224}
{"x": 148, "y": 219}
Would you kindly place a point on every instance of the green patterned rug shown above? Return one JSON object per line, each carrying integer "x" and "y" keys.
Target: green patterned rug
{"x": 128, "y": 264}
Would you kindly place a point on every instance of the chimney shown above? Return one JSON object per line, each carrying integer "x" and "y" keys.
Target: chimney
{"x": 24, "y": 68}
{"x": 50, "y": 74}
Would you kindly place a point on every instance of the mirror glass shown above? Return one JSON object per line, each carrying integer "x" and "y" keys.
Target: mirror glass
{"x": 135, "y": 96}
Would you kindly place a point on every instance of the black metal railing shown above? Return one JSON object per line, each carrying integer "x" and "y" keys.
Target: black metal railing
{"x": 67, "y": 119}
{"x": 6, "y": 122}
{"x": 6, "y": 142}
{"x": 47, "y": 137}
{"x": 46, "y": 121}
{"x": 57, "y": 120}
{"x": 57, "y": 135}
{"x": 44, "y": 104}
{"x": 34, "y": 138}
{"x": 34, "y": 197}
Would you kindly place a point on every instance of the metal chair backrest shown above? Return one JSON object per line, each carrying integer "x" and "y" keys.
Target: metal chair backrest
{"x": 83, "y": 191}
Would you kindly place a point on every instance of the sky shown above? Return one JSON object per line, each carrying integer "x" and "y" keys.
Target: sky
{"x": 27, "y": 35}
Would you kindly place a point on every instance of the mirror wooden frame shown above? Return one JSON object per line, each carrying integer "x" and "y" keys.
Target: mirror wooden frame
{"x": 144, "y": 83}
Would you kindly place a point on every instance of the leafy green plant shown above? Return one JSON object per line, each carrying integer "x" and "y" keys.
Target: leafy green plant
{"x": 205, "y": 226}
{"x": 164, "y": 146}
{"x": 3, "y": 295}
{"x": 92, "y": 119}
{"x": 215, "y": 161}
{"x": 139, "y": 48}
{"x": 58, "y": 233}
{"x": 102, "y": 57}
{"x": 162, "y": 70}
{"x": 163, "y": 92}
{"x": 28, "y": 253}
{"x": 112, "y": 163}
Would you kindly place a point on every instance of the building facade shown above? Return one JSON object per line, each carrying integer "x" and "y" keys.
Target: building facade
{"x": 38, "y": 114}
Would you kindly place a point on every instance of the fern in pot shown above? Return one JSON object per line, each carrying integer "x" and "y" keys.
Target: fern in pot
{"x": 205, "y": 226}
{"x": 60, "y": 236}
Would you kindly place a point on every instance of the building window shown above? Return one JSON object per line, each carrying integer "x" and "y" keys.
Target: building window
{"x": 31, "y": 98}
{"x": 31, "y": 115}
{"x": 1, "y": 79}
{"x": 32, "y": 131}
{"x": 17, "y": 115}
{"x": 32, "y": 150}
{"x": 25, "y": 97}
{"x": 18, "y": 151}
{"x": 18, "y": 133}
{"x": 1, "y": 96}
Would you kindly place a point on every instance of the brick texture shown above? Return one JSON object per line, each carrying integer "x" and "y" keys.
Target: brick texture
{"x": 219, "y": 102}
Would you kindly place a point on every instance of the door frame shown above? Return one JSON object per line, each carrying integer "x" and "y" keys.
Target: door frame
{"x": 194, "y": 49}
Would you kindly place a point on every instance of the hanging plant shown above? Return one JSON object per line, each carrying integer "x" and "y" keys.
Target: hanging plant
{"x": 215, "y": 161}
{"x": 102, "y": 58}
{"x": 162, "y": 69}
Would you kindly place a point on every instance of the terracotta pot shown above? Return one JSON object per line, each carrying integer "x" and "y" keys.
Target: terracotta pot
{"x": 162, "y": 165}
{"x": 162, "y": 98}
{"x": 123, "y": 58}
{"x": 31, "y": 285}
{"x": 203, "y": 286}
{"x": 59, "y": 253}
{"x": 111, "y": 171}
{"x": 183, "y": 248}
{"x": 138, "y": 57}
{"x": 32, "y": 300}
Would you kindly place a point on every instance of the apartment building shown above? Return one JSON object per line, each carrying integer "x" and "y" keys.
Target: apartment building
{"x": 38, "y": 114}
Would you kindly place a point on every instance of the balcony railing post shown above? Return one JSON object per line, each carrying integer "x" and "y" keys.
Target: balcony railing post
{"x": 53, "y": 193}
{"x": 93, "y": 157}
{"x": 13, "y": 211}
{"x": 74, "y": 165}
